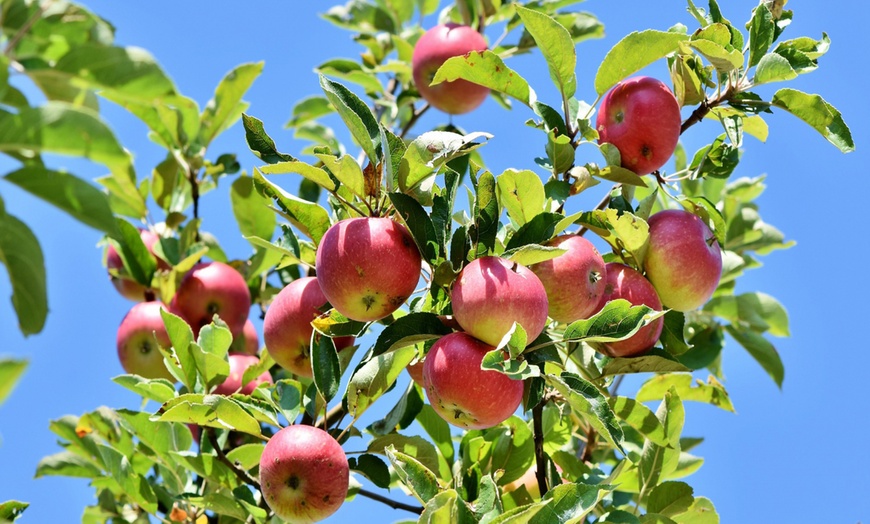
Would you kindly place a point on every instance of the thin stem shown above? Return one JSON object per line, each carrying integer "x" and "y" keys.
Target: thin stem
{"x": 241, "y": 474}
{"x": 333, "y": 415}
{"x": 540, "y": 457}
{"x": 348, "y": 204}
{"x": 24, "y": 29}
{"x": 601, "y": 205}
{"x": 395, "y": 504}
{"x": 414, "y": 117}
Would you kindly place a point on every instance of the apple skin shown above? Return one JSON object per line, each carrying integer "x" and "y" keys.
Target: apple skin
{"x": 213, "y": 288}
{"x": 367, "y": 267}
{"x": 128, "y": 288}
{"x": 233, "y": 383}
{"x": 574, "y": 280}
{"x": 683, "y": 262}
{"x": 491, "y": 293}
{"x": 431, "y": 51}
{"x": 287, "y": 327}
{"x": 304, "y": 474}
{"x": 641, "y": 117}
{"x": 463, "y": 394}
{"x": 416, "y": 371}
{"x": 622, "y": 281}
{"x": 248, "y": 343}
{"x": 140, "y": 334}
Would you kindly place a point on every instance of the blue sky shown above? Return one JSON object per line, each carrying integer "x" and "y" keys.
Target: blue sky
{"x": 796, "y": 455}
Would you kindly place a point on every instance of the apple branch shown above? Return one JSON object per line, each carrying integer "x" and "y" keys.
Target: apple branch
{"x": 221, "y": 456}
{"x": 540, "y": 458}
{"x": 413, "y": 120}
{"x": 395, "y": 504}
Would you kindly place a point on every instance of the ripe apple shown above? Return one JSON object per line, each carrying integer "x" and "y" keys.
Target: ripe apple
{"x": 213, "y": 288}
{"x": 287, "y": 327}
{"x": 641, "y": 117}
{"x": 140, "y": 334}
{"x": 126, "y": 286}
{"x": 433, "y": 49}
{"x": 304, "y": 474}
{"x": 460, "y": 392}
{"x": 622, "y": 281}
{"x": 574, "y": 280}
{"x": 492, "y": 293}
{"x": 367, "y": 267}
{"x": 683, "y": 262}
{"x": 247, "y": 342}
{"x": 239, "y": 363}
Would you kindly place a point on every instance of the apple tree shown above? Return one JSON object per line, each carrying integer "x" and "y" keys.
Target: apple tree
{"x": 517, "y": 312}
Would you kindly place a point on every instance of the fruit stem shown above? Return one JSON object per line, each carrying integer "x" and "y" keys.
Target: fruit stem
{"x": 395, "y": 504}
{"x": 540, "y": 457}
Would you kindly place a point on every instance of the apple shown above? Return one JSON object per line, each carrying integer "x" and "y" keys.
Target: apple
{"x": 416, "y": 371}
{"x": 140, "y": 335}
{"x": 431, "y": 51}
{"x": 367, "y": 267}
{"x": 304, "y": 474}
{"x": 209, "y": 289}
{"x": 641, "y": 117}
{"x": 460, "y": 392}
{"x": 287, "y": 327}
{"x": 491, "y": 293}
{"x": 247, "y": 342}
{"x": 683, "y": 262}
{"x": 574, "y": 280}
{"x": 126, "y": 286}
{"x": 239, "y": 363}
{"x": 624, "y": 282}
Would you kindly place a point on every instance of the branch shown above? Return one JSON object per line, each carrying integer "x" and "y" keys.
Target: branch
{"x": 601, "y": 205}
{"x": 24, "y": 29}
{"x": 240, "y": 473}
{"x": 395, "y": 504}
{"x": 540, "y": 458}
{"x": 416, "y": 116}
{"x": 332, "y": 416}
{"x": 705, "y": 107}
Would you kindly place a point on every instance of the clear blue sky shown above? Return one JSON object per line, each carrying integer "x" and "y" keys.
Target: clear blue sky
{"x": 796, "y": 455}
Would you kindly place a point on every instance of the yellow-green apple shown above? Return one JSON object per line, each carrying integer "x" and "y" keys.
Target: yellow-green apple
{"x": 367, "y": 267}
{"x": 248, "y": 342}
{"x": 641, "y": 117}
{"x": 123, "y": 282}
{"x": 574, "y": 280}
{"x": 491, "y": 293}
{"x": 239, "y": 363}
{"x": 140, "y": 336}
{"x": 624, "y": 282}
{"x": 683, "y": 262}
{"x": 209, "y": 289}
{"x": 460, "y": 391}
{"x": 287, "y": 326}
{"x": 304, "y": 474}
{"x": 431, "y": 51}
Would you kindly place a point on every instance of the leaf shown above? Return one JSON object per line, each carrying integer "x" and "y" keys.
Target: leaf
{"x": 409, "y": 330}
{"x": 438, "y": 430}
{"x": 419, "y": 224}
{"x": 402, "y": 414}
{"x": 657, "y": 462}
{"x": 309, "y": 109}
{"x": 589, "y": 403}
{"x": 373, "y": 468}
{"x": 649, "y": 362}
{"x": 700, "y": 512}
{"x": 640, "y": 417}
{"x": 159, "y": 390}
{"x": 374, "y": 377}
{"x": 66, "y": 464}
{"x": 69, "y": 193}
{"x": 426, "y": 154}
{"x": 11, "y": 510}
{"x": 483, "y": 231}
{"x": 687, "y": 388}
{"x": 260, "y": 143}
{"x": 571, "y": 502}
{"x": 287, "y": 396}
{"x": 521, "y": 193}
{"x": 226, "y": 106}
{"x": 759, "y": 311}
{"x": 356, "y": 116}
{"x": 417, "y": 478}
{"x": 11, "y": 371}
{"x": 250, "y": 209}
{"x": 325, "y": 366}
{"x": 634, "y": 52}
{"x": 820, "y": 115}
{"x": 22, "y": 256}
{"x": 625, "y": 231}
{"x": 617, "y": 320}
{"x": 761, "y": 350}
{"x": 447, "y": 507}
{"x": 309, "y": 217}
{"x": 536, "y": 231}
{"x": 670, "y": 498}
{"x": 309, "y": 172}
{"x": 489, "y": 70}
{"x": 135, "y": 254}
{"x": 719, "y": 56}
{"x": 556, "y": 46}
{"x": 216, "y": 411}
{"x": 761, "y": 32}
{"x": 532, "y": 254}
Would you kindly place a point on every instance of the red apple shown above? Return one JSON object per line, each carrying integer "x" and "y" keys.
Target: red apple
{"x": 622, "y": 281}
{"x": 416, "y": 371}
{"x": 126, "y": 286}
{"x": 431, "y": 51}
{"x": 140, "y": 335}
{"x": 287, "y": 327}
{"x": 248, "y": 342}
{"x": 304, "y": 474}
{"x": 641, "y": 117}
{"x": 492, "y": 293}
{"x": 367, "y": 267}
{"x": 574, "y": 280}
{"x": 683, "y": 262}
{"x": 213, "y": 288}
{"x": 238, "y": 365}
{"x": 463, "y": 394}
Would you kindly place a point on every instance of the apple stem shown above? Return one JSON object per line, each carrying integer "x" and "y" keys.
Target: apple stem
{"x": 395, "y": 504}
{"x": 540, "y": 457}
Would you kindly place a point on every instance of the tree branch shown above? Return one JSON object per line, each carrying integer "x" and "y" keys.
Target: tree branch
{"x": 540, "y": 457}
{"x": 395, "y": 504}
{"x": 240, "y": 473}
{"x": 416, "y": 116}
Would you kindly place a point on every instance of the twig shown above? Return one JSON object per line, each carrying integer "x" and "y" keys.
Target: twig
{"x": 395, "y": 504}
{"x": 334, "y": 414}
{"x": 540, "y": 458}
{"x": 24, "y": 29}
{"x": 241, "y": 474}
{"x": 414, "y": 117}
{"x": 601, "y": 205}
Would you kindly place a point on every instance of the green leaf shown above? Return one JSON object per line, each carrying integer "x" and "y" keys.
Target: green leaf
{"x": 260, "y": 143}
{"x": 522, "y": 194}
{"x": 372, "y": 468}
{"x": 657, "y": 462}
{"x": 820, "y": 115}
{"x": 571, "y": 502}
{"x": 428, "y": 152}
{"x": 483, "y": 231}
{"x": 670, "y": 498}
{"x": 556, "y": 46}
{"x": 761, "y": 350}
{"x": 409, "y": 330}
{"x": 309, "y": 109}
{"x": 447, "y": 507}
{"x": 687, "y": 388}
{"x": 159, "y": 390}
{"x": 625, "y": 232}
{"x": 309, "y": 217}
{"x": 758, "y": 311}
{"x": 489, "y": 70}
{"x": 520, "y": 514}
{"x": 216, "y": 411}
{"x": 374, "y": 377}
{"x": 653, "y": 361}
{"x": 67, "y": 464}
{"x": 640, "y": 417}
{"x": 11, "y": 371}
{"x": 618, "y": 517}
{"x": 419, "y": 224}
{"x": 590, "y": 404}
{"x": 402, "y": 414}
{"x": 247, "y": 455}
{"x": 773, "y": 68}
{"x": 309, "y": 172}
{"x": 182, "y": 365}
{"x": 69, "y": 193}
{"x": 700, "y": 512}
{"x": 761, "y": 32}
{"x": 532, "y": 254}
{"x": 722, "y": 58}
{"x": 22, "y": 256}
{"x": 325, "y": 366}
{"x": 251, "y": 210}
{"x": 672, "y": 337}
{"x": 135, "y": 254}
{"x": 356, "y": 116}
{"x": 415, "y": 476}
{"x": 226, "y": 106}
{"x": 633, "y": 53}
{"x": 11, "y": 510}
{"x": 129, "y": 72}
{"x": 617, "y": 320}
{"x": 438, "y": 430}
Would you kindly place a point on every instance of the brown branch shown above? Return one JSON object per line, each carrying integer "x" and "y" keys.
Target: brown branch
{"x": 540, "y": 457}
{"x": 395, "y": 504}
{"x": 221, "y": 456}
{"x": 332, "y": 416}
{"x": 25, "y": 28}
{"x": 601, "y": 205}
{"x": 414, "y": 117}
{"x": 701, "y": 111}
{"x": 590, "y": 445}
